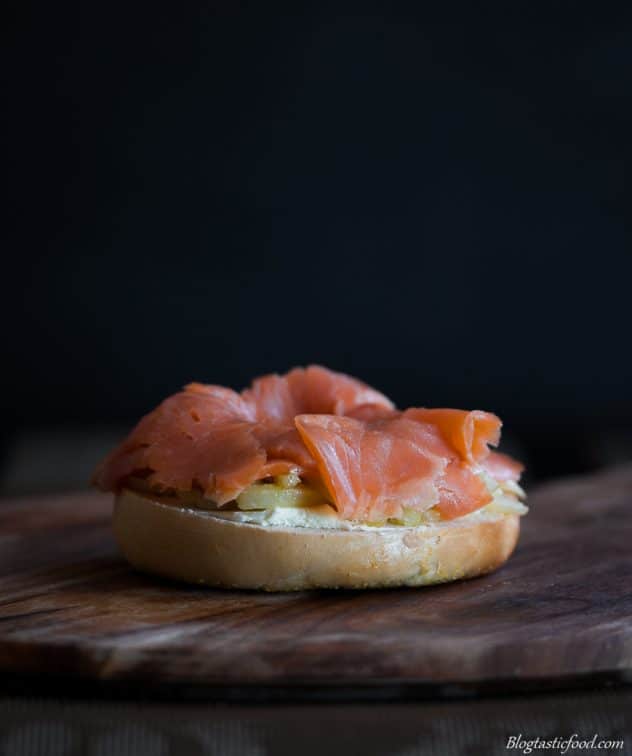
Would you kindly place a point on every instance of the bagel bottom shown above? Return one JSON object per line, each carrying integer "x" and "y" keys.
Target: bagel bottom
{"x": 197, "y": 546}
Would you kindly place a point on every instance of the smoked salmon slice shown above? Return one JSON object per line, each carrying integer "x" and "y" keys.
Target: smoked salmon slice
{"x": 201, "y": 438}
{"x": 311, "y": 390}
{"x": 502, "y": 467}
{"x": 376, "y": 469}
{"x": 468, "y": 433}
{"x": 374, "y": 461}
{"x": 317, "y": 390}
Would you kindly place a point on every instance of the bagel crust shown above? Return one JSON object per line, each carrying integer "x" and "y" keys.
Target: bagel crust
{"x": 199, "y": 547}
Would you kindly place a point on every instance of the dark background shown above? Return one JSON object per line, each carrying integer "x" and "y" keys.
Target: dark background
{"x": 433, "y": 197}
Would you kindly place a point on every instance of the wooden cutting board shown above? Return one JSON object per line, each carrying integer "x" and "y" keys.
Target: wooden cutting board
{"x": 560, "y": 610}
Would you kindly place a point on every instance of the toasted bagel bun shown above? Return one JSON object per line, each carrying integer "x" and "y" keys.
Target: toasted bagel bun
{"x": 197, "y": 546}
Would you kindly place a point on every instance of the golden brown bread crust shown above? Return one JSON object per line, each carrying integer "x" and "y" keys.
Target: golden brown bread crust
{"x": 196, "y": 547}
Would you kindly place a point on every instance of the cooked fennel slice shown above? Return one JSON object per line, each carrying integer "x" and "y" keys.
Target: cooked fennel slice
{"x": 505, "y": 505}
{"x": 511, "y": 487}
{"x": 290, "y": 480}
{"x": 411, "y": 518}
{"x": 270, "y": 495}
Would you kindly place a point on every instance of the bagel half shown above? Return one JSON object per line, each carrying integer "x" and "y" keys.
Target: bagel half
{"x": 197, "y": 546}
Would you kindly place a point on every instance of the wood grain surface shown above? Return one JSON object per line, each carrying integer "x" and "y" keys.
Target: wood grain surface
{"x": 561, "y": 608}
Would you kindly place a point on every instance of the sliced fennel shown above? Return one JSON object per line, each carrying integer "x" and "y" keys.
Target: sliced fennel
{"x": 287, "y": 491}
{"x": 505, "y": 505}
{"x": 411, "y": 518}
{"x": 511, "y": 487}
{"x": 271, "y": 495}
{"x": 291, "y": 480}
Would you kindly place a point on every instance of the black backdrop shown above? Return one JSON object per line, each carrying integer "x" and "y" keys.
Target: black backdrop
{"x": 432, "y": 197}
